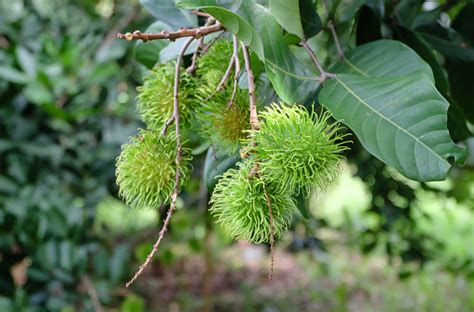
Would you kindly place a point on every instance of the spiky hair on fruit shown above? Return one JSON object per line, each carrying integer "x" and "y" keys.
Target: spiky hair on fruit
{"x": 155, "y": 96}
{"x": 146, "y": 169}
{"x": 222, "y": 124}
{"x": 239, "y": 205}
{"x": 298, "y": 149}
{"x": 213, "y": 64}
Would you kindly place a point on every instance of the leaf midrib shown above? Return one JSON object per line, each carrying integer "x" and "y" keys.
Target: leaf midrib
{"x": 388, "y": 120}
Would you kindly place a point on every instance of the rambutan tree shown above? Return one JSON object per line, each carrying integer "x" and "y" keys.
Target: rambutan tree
{"x": 274, "y": 91}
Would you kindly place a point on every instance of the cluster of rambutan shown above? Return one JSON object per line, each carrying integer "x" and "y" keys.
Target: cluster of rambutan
{"x": 291, "y": 152}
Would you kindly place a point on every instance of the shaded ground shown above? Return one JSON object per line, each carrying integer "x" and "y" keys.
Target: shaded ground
{"x": 340, "y": 280}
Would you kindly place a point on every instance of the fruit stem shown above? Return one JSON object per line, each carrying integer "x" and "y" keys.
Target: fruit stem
{"x": 179, "y": 150}
{"x": 254, "y": 123}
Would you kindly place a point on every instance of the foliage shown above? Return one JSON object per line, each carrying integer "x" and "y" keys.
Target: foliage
{"x": 64, "y": 92}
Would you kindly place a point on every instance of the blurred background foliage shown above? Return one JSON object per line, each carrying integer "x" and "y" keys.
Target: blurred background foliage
{"x": 375, "y": 241}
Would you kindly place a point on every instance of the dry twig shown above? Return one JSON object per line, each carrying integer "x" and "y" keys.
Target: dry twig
{"x": 254, "y": 123}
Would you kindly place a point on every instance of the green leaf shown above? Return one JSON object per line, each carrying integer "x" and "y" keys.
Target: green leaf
{"x": 26, "y": 60}
{"x": 463, "y": 22}
{"x": 148, "y": 53}
{"x": 298, "y": 17}
{"x": 447, "y": 41}
{"x": 167, "y": 12}
{"x": 382, "y": 58}
{"x": 406, "y": 11}
{"x": 257, "y": 28}
{"x": 423, "y": 49}
{"x": 215, "y": 165}
{"x": 12, "y": 75}
{"x": 231, "y": 21}
{"x": 400, "y": 120}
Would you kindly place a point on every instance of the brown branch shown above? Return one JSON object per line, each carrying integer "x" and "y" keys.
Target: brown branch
{"x": 233, "y": 62}
{"x": 272, "y": 233}
{"x": 254, "y": 123}
{"x": 92, "y": 292}
{"x": 340, "y": 51}
{"x": 323, "y": 75}
{"x": 164, "y": 34}
{"x": 237, "y": 71}
{"x": 226, "y": 76}
{"x": 179, "y": 150}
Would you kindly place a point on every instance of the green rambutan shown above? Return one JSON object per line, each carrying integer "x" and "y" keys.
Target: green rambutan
{"x": 146, "y": 169}
{"x": 155, "y": 96}
{"x": 213, "y": 64}
{"x": 239, "y": 204}
{"x": 223, "y": 124}
{"x": 297, "y": 149}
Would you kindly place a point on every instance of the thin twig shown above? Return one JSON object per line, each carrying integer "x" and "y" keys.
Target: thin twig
{"x": 272, "y": 234}
{"x": 226, "y": 76}
{"x": 254, "y": 123}
{"x": 207, "y": 46}
{"x": 192, "y": 68}
{"x": 224, "y": 79}
{"x": 92, "y": 292}
{"x": 179, "y": 150}
{"x": 237, "y": 71}
{"x": 164, "y": 34}
{"x": 199, "y": 13}
{"x": 322, "y": 73}
{"x": 167, "y": 124}
{"x": 340, "y": 52}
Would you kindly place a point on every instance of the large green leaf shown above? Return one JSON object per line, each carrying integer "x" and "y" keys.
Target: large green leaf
{"x": 382, "y": 58}
{"x": 257, "y": 28}
{"x": 298, "y": 17}
{"x": 400, "y": 120}
{"x": 422, "y": 48}
{"x": 231, "y": 21}
{"x": 167, "y": 12}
